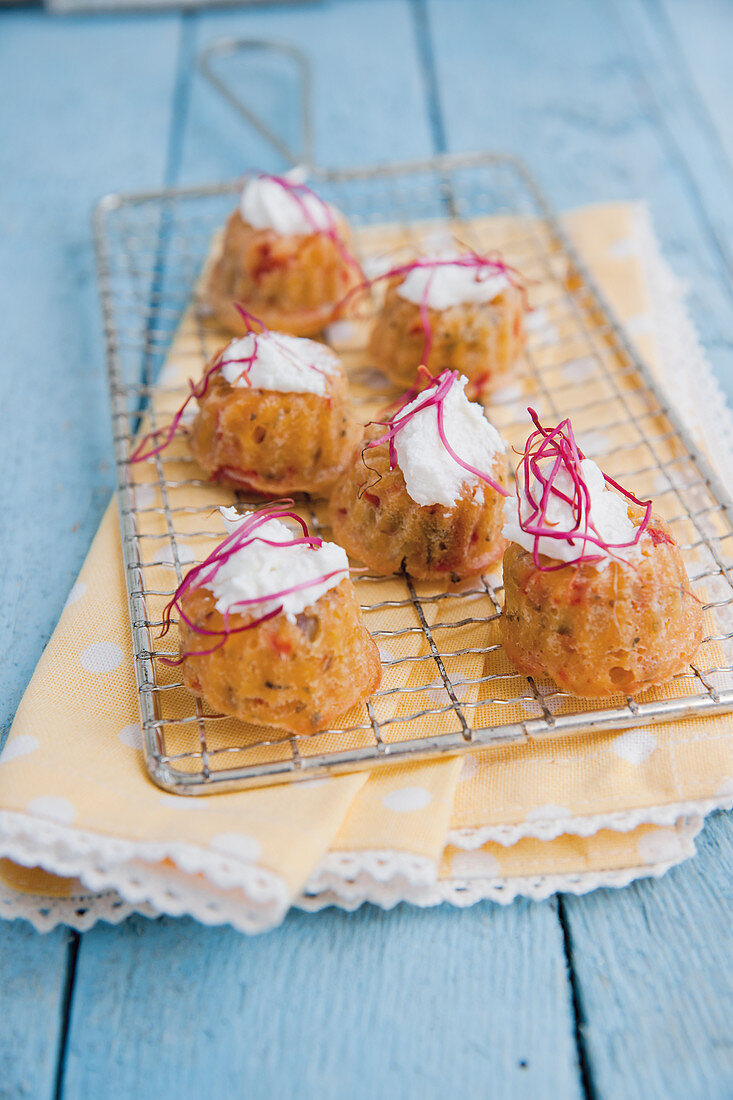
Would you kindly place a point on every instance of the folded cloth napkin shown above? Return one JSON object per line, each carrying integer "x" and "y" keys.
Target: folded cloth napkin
{"x": 570, "y": 813}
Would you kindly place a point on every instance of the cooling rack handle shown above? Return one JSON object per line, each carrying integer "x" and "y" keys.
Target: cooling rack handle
{"x": 229, "y": 47}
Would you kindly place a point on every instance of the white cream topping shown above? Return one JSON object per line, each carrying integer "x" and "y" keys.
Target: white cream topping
{"x": 258, "y": 571}
{"x": 609, "y": 515}
{"x": 451, "y": 285}
{"x": 266, "y": 204}
{"x": 286, "y": 364}
{"x": 431, "y": 475}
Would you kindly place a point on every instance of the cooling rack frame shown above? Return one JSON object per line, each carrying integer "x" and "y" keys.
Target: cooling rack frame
{"x": 716, "y": 691}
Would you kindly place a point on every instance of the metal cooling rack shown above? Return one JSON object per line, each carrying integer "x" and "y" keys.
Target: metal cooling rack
{"x": 150, "y": 250}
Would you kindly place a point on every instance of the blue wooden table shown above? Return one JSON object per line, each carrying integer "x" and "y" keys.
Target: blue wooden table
{"x": 613, "y": 995}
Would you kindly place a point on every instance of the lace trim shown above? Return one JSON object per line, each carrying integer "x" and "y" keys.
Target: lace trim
{"x": 620, "y": 821}
{"x": 82, "y": 912}
{"x": 245, "y": 895}
{"x": 350, "y": 881}
{"x": 79, "y": 912}
{"x": 375, "y": 865}
{"x": 465, "y": 892}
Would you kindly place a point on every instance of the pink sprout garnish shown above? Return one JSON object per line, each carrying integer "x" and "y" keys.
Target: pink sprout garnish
{"x": 547, "y": 452}
{"x": 201, "y": 576}
{"x": 433, "y": 395}
{"x": 154, "y": 442}
{"x": 300, "y": 193}
{"x": 485, "y": 267}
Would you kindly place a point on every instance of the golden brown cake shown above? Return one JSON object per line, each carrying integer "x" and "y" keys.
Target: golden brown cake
{"x": 286, "y": 257}
{"x": 273, "y": 634}
{"x": 596, "y": 593}
{"x": 275, "y": 416}
{"x": 426, "y": 493}
{"x": 464, "y": 313}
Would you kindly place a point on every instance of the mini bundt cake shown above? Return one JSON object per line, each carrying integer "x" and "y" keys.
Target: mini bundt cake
{"x": 285, "y": 256}
{"x": 274, "y": 416}
{"x": 596, "y": 593}
{"x": 270, "y": 628}
{"x": 426, "y": 495}
{"x": 464, "y": 313}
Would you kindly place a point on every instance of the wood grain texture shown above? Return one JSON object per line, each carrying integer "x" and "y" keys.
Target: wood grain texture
{"x": 700, "y": 37}
{"x": 653, "y": 966}
{"x": 300, "y": 1044}
{"x": 583, "y": 91}
{"x": 368, "y": 91}
{"x": 32, "y": 989}
{"x": 79, "y": 127}
{"x": 595, "y": 103}
{"x": 407, "y": 1003}
{"x": 698, "y": 137}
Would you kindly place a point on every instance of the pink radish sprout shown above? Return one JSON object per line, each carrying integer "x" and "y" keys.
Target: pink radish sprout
{"x": 433, "y": 395}
{"x": 201, "y": 576}
{"x": 547, "y": 452}
{"x": 154, "y": 442}
{"x": 299, "y": 192}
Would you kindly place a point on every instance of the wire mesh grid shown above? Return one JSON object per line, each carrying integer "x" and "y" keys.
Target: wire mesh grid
{"x": 447, "y": 686}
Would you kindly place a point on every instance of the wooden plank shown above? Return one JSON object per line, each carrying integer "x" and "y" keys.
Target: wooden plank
{"x": 653, "y": 970}
{"x": 368, "y": 93}
{"x": 319, "y": 1007}
{"x": 566, "y": 86}
{"x": 432, "y": 1003}
{"x": 597, "y": 118}
{"x": 32, "y": 995}
{"x": 693, "y": 128}
{"x": 80, "y": 126}
{"x": 684, "y": 54}
{"x": 347, "y": 978}
{"x": 700, "y": 40}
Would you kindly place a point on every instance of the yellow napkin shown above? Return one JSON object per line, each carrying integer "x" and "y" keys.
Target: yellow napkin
{"x": 75, "y": 800}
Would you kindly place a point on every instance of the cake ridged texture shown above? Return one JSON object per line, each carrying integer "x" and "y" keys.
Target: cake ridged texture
{"x": 374, "y": 518}
{"x": 599, "y": 632}
{"x": 272, "y": 442}
{"x": 481, "y": 340}
{"x": 291, "y": 283}
{"x": 299, "y": 676}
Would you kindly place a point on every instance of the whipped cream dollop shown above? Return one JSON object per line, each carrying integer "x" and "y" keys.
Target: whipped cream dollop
{"x": 263, "y": 572}
{"x": 447, "y": 284}
{"x": 267, "y": 204}
{"x": 286, "y": 364}
{"x": 432, "y": 475}
{"x": 609, "y": 515}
